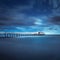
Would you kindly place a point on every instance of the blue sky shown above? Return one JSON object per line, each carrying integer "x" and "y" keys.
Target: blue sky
{"x": 30, "y": 15}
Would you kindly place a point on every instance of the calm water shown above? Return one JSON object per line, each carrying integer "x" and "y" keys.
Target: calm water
{"x": 30, "y": 48}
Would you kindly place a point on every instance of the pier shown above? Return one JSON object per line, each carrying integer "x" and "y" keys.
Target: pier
{"x": 19, "y": 34}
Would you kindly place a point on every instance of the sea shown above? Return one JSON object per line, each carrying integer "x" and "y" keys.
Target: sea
{"x": 30, "y": 48}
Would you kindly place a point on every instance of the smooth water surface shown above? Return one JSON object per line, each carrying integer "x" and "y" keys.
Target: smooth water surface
{"x": 30, "y": 48}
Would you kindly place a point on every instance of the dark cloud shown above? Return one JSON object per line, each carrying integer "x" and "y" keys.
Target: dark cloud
{"x": 11, "y": 12}
{"x": 36, "y": 6}
{"x": 5, "y": 18}
{"x": 29, "y": 13}
{"x": 55, "y": 20}
{"x": 17, "y": 20}
{"x": 2, "y": 24}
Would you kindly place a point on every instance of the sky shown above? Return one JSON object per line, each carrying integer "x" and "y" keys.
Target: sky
{"x": 30, "y": 16}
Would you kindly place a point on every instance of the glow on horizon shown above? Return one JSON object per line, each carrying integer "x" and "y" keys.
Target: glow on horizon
{"x": 51, "y": 33}
{"x": 46, "y": 33}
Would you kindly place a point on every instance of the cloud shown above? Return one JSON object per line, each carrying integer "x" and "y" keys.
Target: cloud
{"x": 29, "y": 28}
{"x": 29, "y": 15}
{"x": 15, "y": 16}
{"x": 55, "y": 20}
{"x": 52, "y": 30}
{"x": 19, "y": 19}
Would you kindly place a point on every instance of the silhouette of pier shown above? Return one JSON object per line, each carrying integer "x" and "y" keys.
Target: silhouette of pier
{"x": 18, "y": 34}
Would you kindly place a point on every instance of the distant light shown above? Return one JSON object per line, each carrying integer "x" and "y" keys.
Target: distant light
{"x": 51, "y": 33}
